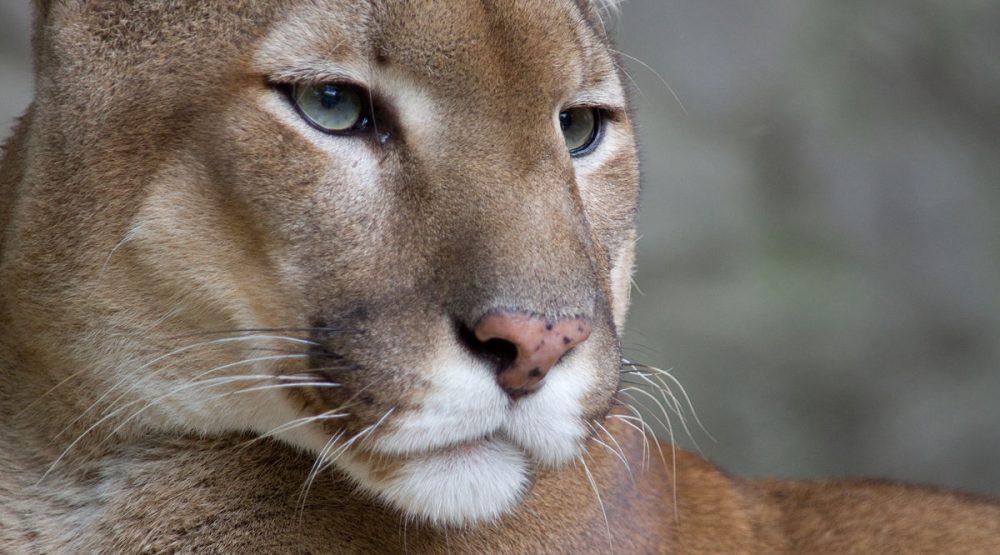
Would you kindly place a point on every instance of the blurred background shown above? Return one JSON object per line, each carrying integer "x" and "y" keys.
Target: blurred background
{"x": 820, "y": 253}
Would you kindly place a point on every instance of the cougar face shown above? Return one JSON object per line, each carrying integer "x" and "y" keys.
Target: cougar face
{"x": 398, "y": 235}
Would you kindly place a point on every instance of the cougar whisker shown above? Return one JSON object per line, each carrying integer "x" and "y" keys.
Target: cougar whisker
{"x": 610, "y": 449}
{"x": 326, "y": 457}
{"x": 112, "y": 403}
{"x": 272, "y": 386}
{"x": 325, "y": 329}
{"x": 670, "y": 89}
{"x": 668, "y": 396}
{"x": 359, "y": 437}
{"x": 288, "y": 351}
{"x": 666, "y": 374}
{"x": 404, "y": 524}
{"x": 331, "y": 414}
{"x": 600, "y": 503}
{"x": 146, "y": 377}
{"x": 107, "y": 417}
{"x": 667, "y": 423}
{"x": 191, "y": 383}
{"x": 636, "y": 417}
{"x": 635, "y": 84}
{"x": 661, "y": 387}
{"x": 313, "y": 471}
{"x": 673, "y": 445}
{"x": 642, "y": 432}
{"x": 615, "y": 441}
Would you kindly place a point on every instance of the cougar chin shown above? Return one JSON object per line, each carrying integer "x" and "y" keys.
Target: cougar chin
{"x": 467, "y": 484}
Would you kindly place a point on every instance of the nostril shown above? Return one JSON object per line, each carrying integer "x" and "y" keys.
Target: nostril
{"x": 499, "y": 352}
{"x": 523, "y": 346}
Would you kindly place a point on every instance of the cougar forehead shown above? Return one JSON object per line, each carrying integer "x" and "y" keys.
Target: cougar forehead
{"x": 202, "y": 201}
{"x": 472, "y": 88}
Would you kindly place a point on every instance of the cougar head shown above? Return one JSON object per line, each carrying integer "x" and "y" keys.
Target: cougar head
{"x": 397, "y": 235}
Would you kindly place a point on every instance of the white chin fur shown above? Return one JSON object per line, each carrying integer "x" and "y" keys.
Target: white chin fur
{"x": 480, "y": 481}
{"x": 458, "y": 487}
{"x": 548, "y": 424}
{"x": 464, "y": 404}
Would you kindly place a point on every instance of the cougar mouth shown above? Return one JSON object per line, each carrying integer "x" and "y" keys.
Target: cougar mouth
{"x": 454, "y": 447}
{"x": 454, "y": 450}
{"x": 462, "y": 447}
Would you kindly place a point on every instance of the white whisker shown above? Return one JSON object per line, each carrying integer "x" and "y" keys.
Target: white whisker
{"x": 615, "y": 441}
{"x": 600, "y": 503}
{"x": 273, "y": 386}
{"x": 637, "y": 417}
{"x": 129, "y": 235}
{"x": 616, "y": 454}
{"x": 359, "y": 436}
{"x": 146, "y": 377}
{"x": 660, "y": 373}
{"x": 645, "y": 438}
{"x": 684, "y": 393}
{"x": 218, "y": 381}
{"x": 663, "y": 410}
{"x": 328, "y": 415}
{"x": 673, "y": 93}
{"x": 671, "y": 401}
{"x": 313, "y": 472}
{"x": 673, "y": 446}
{"x": 176, "y": 390}
{"x": 666, "y": 425}
{"x": 327, "y": 458}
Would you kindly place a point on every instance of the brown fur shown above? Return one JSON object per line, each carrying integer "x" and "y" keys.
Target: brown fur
{"x": 151, "y": 196}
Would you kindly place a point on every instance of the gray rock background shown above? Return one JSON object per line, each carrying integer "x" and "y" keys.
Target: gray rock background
{"x": 820, "y": 253}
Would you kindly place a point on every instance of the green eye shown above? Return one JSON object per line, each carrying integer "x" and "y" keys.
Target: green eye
{"x": 332, "y": 107}
{"x": 580, "y": 128}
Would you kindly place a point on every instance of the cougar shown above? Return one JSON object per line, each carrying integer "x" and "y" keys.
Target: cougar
{"x": 348, "y": 276}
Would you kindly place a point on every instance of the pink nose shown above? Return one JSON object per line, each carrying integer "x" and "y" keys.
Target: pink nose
{"x": 540, "y": 343}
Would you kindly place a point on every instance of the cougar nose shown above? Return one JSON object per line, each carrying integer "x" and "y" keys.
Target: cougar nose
{"x": 539, "y": 344}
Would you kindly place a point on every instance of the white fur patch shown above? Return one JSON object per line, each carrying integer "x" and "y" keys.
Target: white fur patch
{"x": 621, "y": 282}
{"x": 469, "y": 484}
{"x": 463, "y": 404}
{"x": 450, "y": 474}
{"x": 613, "y": 139}
{"x": 548, "y": 424}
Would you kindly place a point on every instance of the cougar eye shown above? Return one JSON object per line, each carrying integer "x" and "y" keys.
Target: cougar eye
{"x": 580, "y": 127}
{"x": 332, "y": 107}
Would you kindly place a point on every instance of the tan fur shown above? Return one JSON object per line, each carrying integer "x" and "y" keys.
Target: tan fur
{"x": 159, "y": 190}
